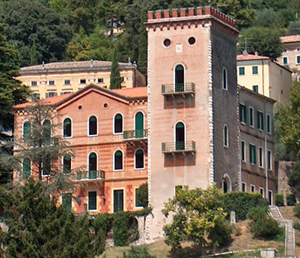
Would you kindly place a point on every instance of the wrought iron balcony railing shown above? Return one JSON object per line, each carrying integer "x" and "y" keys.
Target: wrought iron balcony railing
{"x": 90, "y": 175}
{"x": 135, "y": 134}
{"x": 173, "y": 147}
{"x": 178, "y": 88}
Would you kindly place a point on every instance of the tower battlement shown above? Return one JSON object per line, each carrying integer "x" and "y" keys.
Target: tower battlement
{"x": 182, "y": 14}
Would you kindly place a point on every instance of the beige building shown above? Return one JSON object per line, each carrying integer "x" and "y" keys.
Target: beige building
{"x": 257, "y": 144}
{"x": 54, "y": 79}
{"x": 262, "y": 75}
{"x": 192, "y": 105}
{"x": 291, "y": 54}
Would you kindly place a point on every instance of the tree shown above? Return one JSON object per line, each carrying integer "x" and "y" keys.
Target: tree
{"x": 115, "y": 79}
{"x": 266, "y": 41}
{"x": 142, "y": 195}
{"x": 288, "y": 115}
{"x": 198, "y": 216}
{"x": 294, "y": 179}
{"x": 38, "y": 228}
{"x": 11, "y": 90}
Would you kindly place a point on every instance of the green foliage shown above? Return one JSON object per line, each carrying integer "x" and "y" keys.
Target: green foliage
{"x": 37, "y": 227}
{"x": 197, "y": 217}
{"x": 142, "y": 195}
{"x": 138, "y": 252}
{"x": 290, "y": 199}
{"x": 279, "y": 200}
{"x": 266, "y": 41}
{"x": 294, "y": 179}
{"x": 262, "y": 225}
{"x": 120, "y": 228}
{"x": 297, "y": 210}
{"x": 294, "y": 28}
{"x": 296, "y": 225}
{"x": 242, "y": 202}
{"x": 115, "y": 79}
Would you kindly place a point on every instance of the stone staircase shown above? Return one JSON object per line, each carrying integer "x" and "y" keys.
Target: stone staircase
{"x": 289, "y": 231}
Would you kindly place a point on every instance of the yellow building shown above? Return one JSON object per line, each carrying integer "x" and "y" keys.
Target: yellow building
{"x": 53, "y": 79}
{"x": 262, "y": 75}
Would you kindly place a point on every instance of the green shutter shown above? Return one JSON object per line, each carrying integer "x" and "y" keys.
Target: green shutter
{"x": 118, "y": 200}
{"x": 139, "y": 125}
{"x": 92, "y": 200}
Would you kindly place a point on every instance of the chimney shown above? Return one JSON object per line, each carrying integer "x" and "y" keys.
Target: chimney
{"x": 256, "y": 53}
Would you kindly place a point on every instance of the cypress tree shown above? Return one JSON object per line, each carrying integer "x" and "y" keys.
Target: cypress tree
{"x": 115, "y": 79}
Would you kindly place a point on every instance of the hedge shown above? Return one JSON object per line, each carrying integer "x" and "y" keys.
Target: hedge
{"x": 279, "y": 200}
{"x": 242, "y": 202}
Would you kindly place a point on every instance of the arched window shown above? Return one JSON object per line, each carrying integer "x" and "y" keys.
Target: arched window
{"x": 118, "y": 160}
{"x": 47, "y": 132}
{"x": 46, "y": 165}
{"x": 139, "y": 125}
{"x": 225, "y": 136}
{"x": 67, "y": 127}
{"x": 67, "y": 164}
{"x": 226, "y": 183}
{"x": 93, "y": 165}
{"x": 26, "y": 131}
{"x": 179, "y": 78}
{"x": 26, "y": 167}
{"x": 139, "y": 159}
{"x": 224, "y": 79}
{"x": 180, "y": 136}
{"x": 118, "y": 123}
{"x": 93, "y": 125}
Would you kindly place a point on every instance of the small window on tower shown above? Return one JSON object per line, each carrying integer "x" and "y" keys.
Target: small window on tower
{"x": 167, "y": 42}
{"x": 192, "y": 40}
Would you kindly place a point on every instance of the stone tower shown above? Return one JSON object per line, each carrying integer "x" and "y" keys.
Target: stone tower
{"x": 192, "y": 105}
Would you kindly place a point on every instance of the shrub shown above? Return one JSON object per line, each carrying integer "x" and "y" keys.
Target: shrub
{"x": 290, "y": 200}
{"x": 296, "y": 225}
{"x": 242, "y": 202}
{"x": 138, "y": 252}
{"x": 257, "y": 213}
{"x": 103, "y": 221}
{"x": 297, "y": 210}
{"x": 279, "y": 200}
{"x": 265, "y": 227}
{"x": 120, "y": 228}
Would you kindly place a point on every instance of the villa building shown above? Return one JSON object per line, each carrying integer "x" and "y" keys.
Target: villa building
{"x": 54, "y": 79}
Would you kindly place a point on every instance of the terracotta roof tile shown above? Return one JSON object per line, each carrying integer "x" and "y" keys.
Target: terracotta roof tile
{"x": 290, "y": 38}
{"x": 132, "y": 92}
{"x": 250, "y": 57}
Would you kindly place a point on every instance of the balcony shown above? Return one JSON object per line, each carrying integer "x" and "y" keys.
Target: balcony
{"x": 179, "y": 147}
{"x": 90, "y": 175}
{"x": 181, "y": 89}
{"x": 135, "y": 136}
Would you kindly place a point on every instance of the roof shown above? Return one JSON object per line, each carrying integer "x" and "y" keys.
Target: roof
{"x": 251, "y": 57}
{"x": 127, "y": 94}
{"x": 74, "y": 65}
{"x": 256, "y": 94}
{"x": 290, "y": 39}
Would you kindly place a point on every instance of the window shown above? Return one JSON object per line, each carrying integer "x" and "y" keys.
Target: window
{"x": 67, "y": 128}
{"x": 122, "y": 79}
{"x": 92, "y": 164}
{"x": 139, "y": 125}
{"x": 261, "y": 190}
{"x": 118, "y": 160}
{"x": 92, "y": 201}
{"x": 269, "y": 160}
{"x": 254, "y": 69}
{"x": 252, "y": 154}
{"x": 241, "y": 70}
{"x": 180, "y": 136}
{"x": 118, "y": 200}
{"x": 47, "y": 132}
{"x": 255, "y": 88}
{"x": 243, "y": 151}
{"x": 179, "y": 78}
{"x": 138, "y": 199}
{"x": 224, "y": 78}
{"x": 251, "y": 116}
{"x": 67, "y": 82}
{"x": 33, "y": 83}
{"x": 260, "y": 120}
{"x": 51, "y": 94}
{"x": 26, "y": 167}
{"x": 244, "y": 187}
{"x": 46, "y": 166}
{"x": 92, "y": 125}
{"x": 82, "y": 81}
{"x": 66, "y": 164}
{"x": 243, "y": 114}
{"x": 285, "y": 60}
{"x": 268, "y": 124}
{"x": 139, "y": 159}
{"x": 26, "y": 131}
{"x": 51, "y": 83}
{"x": 298, "y": 59}
{"x": 100, "y": 80}
{"x": 66, "y": 200}
{"x": 252, "y": 187}
{"x": 118, "y": 123}
{"x": 261, "y": 156}
{"x": 225, "y": 136}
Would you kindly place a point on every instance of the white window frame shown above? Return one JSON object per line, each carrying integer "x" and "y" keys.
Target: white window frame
{"x": 252, "y": 70}
{"x": 79, "y": 82}
{"x": 269, "y": 118}
{"x": 67, "y": 137}
{"x": 262, "y": 192}
{"x": 122, "y": 160}
{"x": 244, "y": 71}
{"x": 297, "y": 59}
{"x": 261, "y": 158}
{"x": 254, "y": 188}
{"x": 135, "y": 205}
{"x": 253, "y": 158}
{"x": 33, "y": 82}
{"x": 287, "y": 60}
{"x": 245, "y": 184}
{"x": 67, "y": 80}
{"x": 88, "y": 126}
{"x": 269, "y": 162}
{"x": 251, "y": 125}
{"x": 245, "y": 152}
{"x": 54, "y": 83}
{"x": 119, "y": 113}
{"x": 124, "y": 198}
{"x": 135, "y": 168}
{"x": 261, "y": 123}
